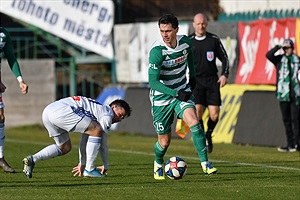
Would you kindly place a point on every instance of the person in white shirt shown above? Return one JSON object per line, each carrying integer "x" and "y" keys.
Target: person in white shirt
{"x": 83, "y": 115}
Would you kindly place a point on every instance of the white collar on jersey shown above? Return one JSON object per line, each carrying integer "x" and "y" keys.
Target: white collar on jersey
{"x": 200, "y": 38}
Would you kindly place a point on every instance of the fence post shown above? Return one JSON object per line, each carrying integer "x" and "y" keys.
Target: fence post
{"x": 72, "y": 77}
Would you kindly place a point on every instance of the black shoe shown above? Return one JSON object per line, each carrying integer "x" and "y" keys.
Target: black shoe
{"x": 209, "y": 141}
{"x": 287, "y": 149}
{"x": 5, "y": 166}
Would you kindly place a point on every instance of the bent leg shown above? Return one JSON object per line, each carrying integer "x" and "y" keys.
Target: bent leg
{"x": 62, "y": 147}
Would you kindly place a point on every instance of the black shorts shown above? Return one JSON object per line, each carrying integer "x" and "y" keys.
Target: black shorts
{"x": 207, "y": 91}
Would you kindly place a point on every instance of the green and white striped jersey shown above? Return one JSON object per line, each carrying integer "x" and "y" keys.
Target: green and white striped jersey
{"x": 6, "y": 46}
{"x": 168, "y": 68}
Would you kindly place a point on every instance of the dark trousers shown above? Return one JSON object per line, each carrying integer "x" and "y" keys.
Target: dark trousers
{"x": 291, "y": 116}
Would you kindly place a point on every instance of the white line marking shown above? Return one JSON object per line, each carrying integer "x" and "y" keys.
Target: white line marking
{"x": 152, "y": 154}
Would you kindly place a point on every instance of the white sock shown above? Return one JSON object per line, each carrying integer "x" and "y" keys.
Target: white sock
{"x": 2, "y": 139}
{"x": 157, "y": 165}
{"x": 203, "y": 164}
{"x": 92, "y": 150}
{"x": 50, "y": 151}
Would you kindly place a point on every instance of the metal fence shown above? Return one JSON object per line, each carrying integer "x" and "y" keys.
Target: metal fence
{"x": 89, "y": 83}
{"x": 69, "y": 81}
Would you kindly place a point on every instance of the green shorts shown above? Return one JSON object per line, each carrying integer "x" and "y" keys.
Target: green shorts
{"x": 163, "y": 116}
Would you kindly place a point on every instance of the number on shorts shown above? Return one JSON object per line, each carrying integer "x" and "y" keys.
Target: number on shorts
{"x": 159, "y": 126}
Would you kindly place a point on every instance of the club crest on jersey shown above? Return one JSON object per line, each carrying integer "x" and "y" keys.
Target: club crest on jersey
{"x": 210, "y": 55}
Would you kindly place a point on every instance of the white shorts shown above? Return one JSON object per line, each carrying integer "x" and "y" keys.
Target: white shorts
{"x": 61, "y": 139}
{"x": 59, "y": 118}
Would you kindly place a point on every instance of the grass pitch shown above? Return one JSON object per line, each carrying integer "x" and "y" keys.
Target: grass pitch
{"x": 245, "y": 172}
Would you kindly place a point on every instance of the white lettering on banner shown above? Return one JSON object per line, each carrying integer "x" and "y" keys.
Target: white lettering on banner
{"x": 82, "y": 22}
{"x": 36, "y": 11}
{"x": 274, "y": 41}
{"x": 88, "y": 7}
{"x": 256, "y": 39}
{"x": 250, "y": 48}
{"x": 269, "y": 65}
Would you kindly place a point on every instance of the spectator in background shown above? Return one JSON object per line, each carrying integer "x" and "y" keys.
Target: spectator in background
{"x": 170, "y": 94}
{"x": 207, "y": 47}
{"x": 288, "y": 91}
{"x": 6, "y": 47}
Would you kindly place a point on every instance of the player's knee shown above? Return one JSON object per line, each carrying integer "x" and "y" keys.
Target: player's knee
{"x": 214, "y": 114}
{"x": 65, "y": 148}
{"x": 164, "y": 143}
{"x": 214, "y": 117}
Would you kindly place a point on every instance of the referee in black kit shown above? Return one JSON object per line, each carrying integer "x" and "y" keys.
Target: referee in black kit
{"x": 207, "y": 47}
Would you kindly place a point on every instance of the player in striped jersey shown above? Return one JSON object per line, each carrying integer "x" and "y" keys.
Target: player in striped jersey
{"x": 82, "y": 115}
{"x": 170, "y": 93}
{"x": 6, "y": 47}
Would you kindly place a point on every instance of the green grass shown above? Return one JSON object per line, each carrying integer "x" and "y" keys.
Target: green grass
{"x": 245, "y": 172}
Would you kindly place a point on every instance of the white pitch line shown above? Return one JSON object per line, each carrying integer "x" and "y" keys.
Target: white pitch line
{"x": 152, "y": 154}
{"x": 216, "y": 161}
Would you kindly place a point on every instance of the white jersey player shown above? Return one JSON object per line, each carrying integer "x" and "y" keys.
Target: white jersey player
{"x": 83, "y": 115}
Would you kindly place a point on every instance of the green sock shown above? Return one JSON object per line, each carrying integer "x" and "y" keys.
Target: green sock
{"x": 159, "y": 153}
{"x": 199, "y": 142}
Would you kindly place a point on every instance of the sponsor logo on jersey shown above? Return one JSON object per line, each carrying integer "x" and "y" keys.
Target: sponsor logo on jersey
{"x": 176, "y": 61}
{"x": 167, "y": 58}
{"x": 210, "y": 55}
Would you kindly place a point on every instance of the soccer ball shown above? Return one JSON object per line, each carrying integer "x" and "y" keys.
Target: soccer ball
{"x": 175, "y": 168}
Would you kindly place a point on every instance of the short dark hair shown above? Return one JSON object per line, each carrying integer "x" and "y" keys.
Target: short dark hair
{"x": 122, "y": 103}
{"x": 168, "y": 19}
